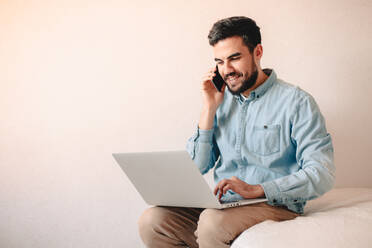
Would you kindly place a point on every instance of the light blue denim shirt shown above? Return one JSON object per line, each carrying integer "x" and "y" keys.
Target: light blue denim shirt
{"x": 276, "y": 138}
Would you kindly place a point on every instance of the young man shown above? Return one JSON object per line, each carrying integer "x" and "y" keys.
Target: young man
{"x": 262, "y": 136}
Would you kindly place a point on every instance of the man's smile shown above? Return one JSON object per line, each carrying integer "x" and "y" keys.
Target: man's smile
{"x": 233, "y": 79}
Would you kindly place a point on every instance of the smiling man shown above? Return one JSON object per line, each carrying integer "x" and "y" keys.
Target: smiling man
{"x": 262, "y": 136}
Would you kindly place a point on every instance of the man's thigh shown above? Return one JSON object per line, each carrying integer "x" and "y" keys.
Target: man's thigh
{"x": 249, "y": 215}
{"x": 169, "y": 226}
{"x": 227, "y": 224}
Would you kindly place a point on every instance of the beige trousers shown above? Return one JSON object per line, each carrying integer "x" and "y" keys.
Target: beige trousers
{"x": 163, "y": 227}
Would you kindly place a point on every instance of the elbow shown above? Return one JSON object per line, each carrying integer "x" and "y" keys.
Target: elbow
{"x": 323, "y": 180}
{"x": 328, "y": 182}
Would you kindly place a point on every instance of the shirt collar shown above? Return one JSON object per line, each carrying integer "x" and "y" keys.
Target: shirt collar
{"x": 260, "y": 90}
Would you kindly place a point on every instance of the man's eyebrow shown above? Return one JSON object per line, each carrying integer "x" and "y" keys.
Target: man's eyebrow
{"x": 234, "y": 55}
{"x": 231, "y": 56}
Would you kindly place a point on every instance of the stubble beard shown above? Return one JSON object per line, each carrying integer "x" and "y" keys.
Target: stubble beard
{"x": 247, "y": 83}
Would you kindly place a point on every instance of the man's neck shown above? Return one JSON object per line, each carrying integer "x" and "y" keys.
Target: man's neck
{"x": 261, "y": 78}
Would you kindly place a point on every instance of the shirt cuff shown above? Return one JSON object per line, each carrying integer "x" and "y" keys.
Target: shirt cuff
{"x": 205, "y": 136}
{"x": 272, "y": 193}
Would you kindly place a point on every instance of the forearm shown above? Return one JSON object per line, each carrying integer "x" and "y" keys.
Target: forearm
{"x": 207, "y": 118}
{"x": 201, "y": 146}
{"x": 306, "y": 184}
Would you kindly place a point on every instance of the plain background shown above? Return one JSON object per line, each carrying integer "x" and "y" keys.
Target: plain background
{"x": 82, "y": 79}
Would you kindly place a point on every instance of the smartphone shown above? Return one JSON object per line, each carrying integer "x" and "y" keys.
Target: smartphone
{"x": 218, "y": 80}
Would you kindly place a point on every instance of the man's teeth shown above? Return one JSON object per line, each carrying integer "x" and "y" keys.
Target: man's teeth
{"x": 232, "y": 79}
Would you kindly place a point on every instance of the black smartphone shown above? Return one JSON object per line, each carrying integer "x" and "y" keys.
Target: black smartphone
{"x": 218, "y": 80}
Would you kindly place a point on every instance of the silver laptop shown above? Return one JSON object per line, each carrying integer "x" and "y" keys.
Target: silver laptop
{"x": 171, "y": 179}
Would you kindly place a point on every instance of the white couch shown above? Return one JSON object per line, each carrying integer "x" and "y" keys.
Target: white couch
{"x": 342, "y": 218}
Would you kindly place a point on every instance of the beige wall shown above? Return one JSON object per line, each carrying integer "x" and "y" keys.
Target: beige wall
{"x": 80, "y": 80}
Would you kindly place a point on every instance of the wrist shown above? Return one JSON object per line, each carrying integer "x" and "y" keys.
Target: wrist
{"x": 253, "y": 191}
{"x": 260, "y": 191}
{"x": 211, "y": 110}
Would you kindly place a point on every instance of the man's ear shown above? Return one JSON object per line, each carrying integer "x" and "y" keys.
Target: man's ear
{"x": 257, "y": 55}
{"x": 258, "y": 51}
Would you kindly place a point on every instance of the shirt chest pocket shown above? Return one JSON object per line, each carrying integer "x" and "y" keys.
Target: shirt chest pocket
{"x": 264, "y": 139}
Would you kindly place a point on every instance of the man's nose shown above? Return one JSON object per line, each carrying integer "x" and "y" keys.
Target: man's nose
{"x": 228, "y": 69}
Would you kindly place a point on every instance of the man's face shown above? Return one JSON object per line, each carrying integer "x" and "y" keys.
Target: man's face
{"x": 236, "y": 64}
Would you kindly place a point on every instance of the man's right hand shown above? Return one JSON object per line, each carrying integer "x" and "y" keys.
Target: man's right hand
{"x": 212, "y": 98}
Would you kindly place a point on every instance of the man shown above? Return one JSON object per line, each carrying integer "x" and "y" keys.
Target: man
{"x": 262, "y": 136}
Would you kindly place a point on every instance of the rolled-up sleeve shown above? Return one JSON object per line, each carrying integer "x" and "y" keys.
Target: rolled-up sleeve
{"x": 314, "y": 155}
{"x": 203, "y": 149}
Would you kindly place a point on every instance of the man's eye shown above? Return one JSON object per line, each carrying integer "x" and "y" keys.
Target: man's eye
{"x": 235, "y": 58}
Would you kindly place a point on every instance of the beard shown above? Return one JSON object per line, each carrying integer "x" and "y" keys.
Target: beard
{"x": 247, "y": 83}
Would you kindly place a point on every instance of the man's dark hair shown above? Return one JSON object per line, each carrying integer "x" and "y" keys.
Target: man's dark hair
{"x": 236, "y": 26}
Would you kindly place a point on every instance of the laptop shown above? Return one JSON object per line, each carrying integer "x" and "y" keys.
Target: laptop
{"x": 171, "y": 179}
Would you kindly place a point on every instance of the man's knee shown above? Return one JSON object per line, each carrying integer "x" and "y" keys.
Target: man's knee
{"x": 211, "y": 225}
{"x": 149, "y": 220}
{"x": 210, "y": 218}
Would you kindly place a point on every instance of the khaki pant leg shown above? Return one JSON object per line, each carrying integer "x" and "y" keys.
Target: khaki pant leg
{"x": 219, "y": 228}
{"x": 163, "y": 227}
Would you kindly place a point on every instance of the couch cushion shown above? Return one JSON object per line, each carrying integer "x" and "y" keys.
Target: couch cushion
{"x": 340, "y": 218}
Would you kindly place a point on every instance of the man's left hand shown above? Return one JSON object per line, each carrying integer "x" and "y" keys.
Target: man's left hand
{"x": 240, "y": 187}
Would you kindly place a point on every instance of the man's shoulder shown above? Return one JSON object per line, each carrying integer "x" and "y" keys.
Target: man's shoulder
{"x": 286, "y": 89}
{"x": 284, "y": 86}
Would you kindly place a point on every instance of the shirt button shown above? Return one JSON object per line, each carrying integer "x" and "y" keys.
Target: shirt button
{"x": 265, "y": 127}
